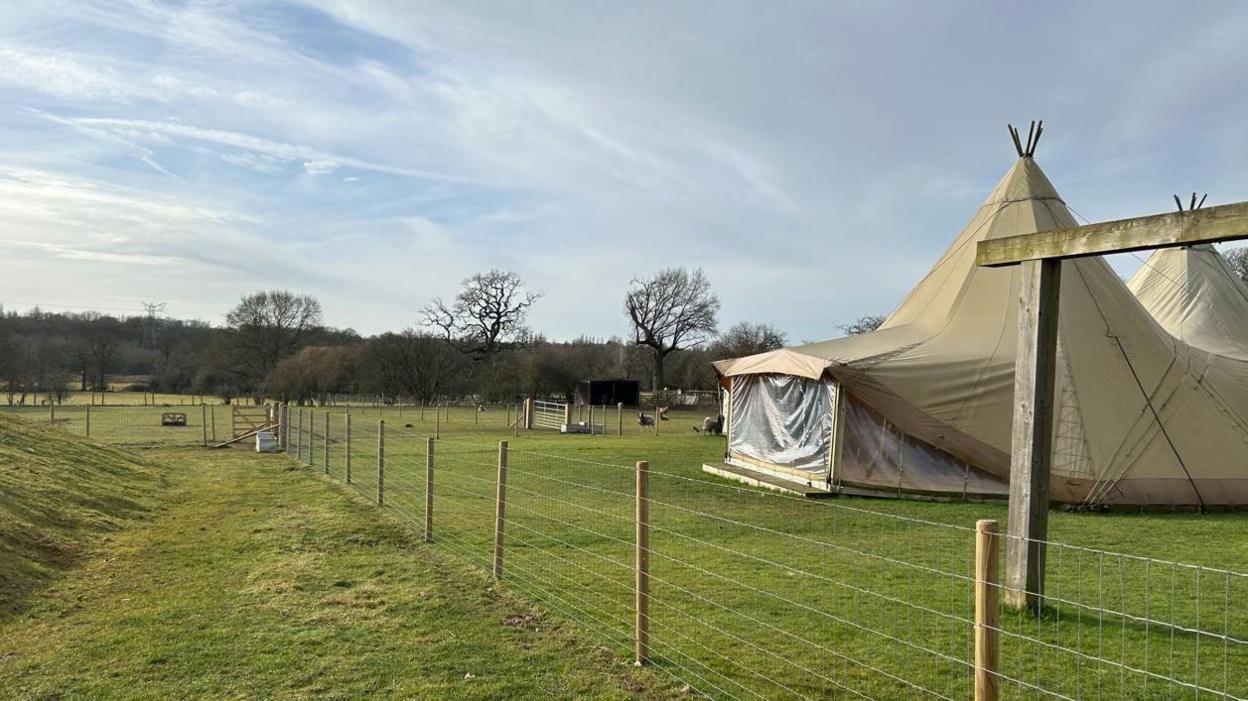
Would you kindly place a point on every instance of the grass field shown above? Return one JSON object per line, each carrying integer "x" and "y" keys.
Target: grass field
{"x": 757, "y": 595}
{"x": 227, "y": 574}
{"x": 760, "y": 595}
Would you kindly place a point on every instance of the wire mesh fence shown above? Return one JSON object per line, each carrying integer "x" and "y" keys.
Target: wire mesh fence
{"x": 135, "y": 425}
{"x": 751, "y": 594}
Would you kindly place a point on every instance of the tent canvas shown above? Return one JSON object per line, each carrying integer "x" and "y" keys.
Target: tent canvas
{"x": 1193, "y": 293}
{"x": 924, "y": 403}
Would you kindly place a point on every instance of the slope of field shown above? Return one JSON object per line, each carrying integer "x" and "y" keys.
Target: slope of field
{"x": 58, "y": 494}
{"x": 254, "y": 580}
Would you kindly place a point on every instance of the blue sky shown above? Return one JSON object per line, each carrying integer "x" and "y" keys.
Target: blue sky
{"x": 813, "y": 158}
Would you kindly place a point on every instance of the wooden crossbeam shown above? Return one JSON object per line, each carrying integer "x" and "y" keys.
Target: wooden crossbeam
{"x": 1040, "y": 255}
{"x": 1228, "y": 222}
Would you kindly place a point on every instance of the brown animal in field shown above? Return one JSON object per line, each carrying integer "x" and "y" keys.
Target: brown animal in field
{"x": 711, "y": 424}
{"x": 645, "y": 420}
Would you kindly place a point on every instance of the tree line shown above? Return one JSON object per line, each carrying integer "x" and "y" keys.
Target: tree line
{"x": 477, "y": 344}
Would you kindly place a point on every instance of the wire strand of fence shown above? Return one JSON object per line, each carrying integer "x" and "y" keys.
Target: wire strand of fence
{"x": 745, "y": 575}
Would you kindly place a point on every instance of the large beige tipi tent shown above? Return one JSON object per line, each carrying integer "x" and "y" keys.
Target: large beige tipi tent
{"x": 923, "y": 405}
{"x": 1193, "y": 293}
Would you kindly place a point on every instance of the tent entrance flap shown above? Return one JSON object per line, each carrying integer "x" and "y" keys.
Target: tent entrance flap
{"x": 783, "y": 422}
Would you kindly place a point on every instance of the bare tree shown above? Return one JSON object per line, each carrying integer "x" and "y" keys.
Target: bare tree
{"x": 1238, "y": 259}
{"x": 266, "y": 327}
{"x": 674, "y": 310}
{"x": 416, "y": 364}
{"x": 744, "y": 338}
{"x": 863, "y": 324}
{"x": 489, "y": 312}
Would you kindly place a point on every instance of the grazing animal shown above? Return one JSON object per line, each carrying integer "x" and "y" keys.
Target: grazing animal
{"x": 645, "y": 420}
{"x": 713, "y": 425}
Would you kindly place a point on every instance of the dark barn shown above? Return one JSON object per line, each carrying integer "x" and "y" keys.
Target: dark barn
{"x": 609, "y": 392}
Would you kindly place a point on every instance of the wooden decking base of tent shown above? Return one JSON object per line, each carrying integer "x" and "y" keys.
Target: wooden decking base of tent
{"x": 758, "y": 478}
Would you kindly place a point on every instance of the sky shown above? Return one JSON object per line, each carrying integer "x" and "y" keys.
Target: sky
{"x": 814, "y": 158}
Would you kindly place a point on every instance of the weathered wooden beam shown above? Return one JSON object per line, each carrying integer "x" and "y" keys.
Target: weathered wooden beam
{"x": 1227, "y": 222}
{"x": 1035, "y": 369}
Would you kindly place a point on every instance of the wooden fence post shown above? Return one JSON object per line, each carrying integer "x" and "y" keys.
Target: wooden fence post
{"x": 381, "y": 462}
{"x": 51, "y": 411}
{"x": 590, "y": 422}
{"x": 437, "y": 422}
{"x": 203, "y": 423}
{"x": 500, "y": 508}
{"x": 311, "y": 437}
{"x": 987, "y": 623}
{"x": 347, "y": 444}
{"x": 88, "y": 421}
{"x": 641, "y": 623}
{"x": 429, "y": 443}
{"x": 299, "y": 436}
{"x": 619, "y": 419}
{"x": 327, "y": 442}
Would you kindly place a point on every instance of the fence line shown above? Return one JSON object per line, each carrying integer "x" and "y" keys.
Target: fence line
{"x": 749, "y": 593}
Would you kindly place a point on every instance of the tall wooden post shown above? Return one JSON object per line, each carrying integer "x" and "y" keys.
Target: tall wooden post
{"x": 528, "y": 413}
{"x": 1035, "y": 368}
{"x": 326, "y": 443}
{"x": 312, "y": 438}
{"x": 519, "y": 417}
{"x": 590, "y": 416}
{"x": 641, "y": 593}
{"x": 88, "y": 421}
{"x": 437, "y": 422}
{"x": 987, "y": 611}
{"x": 346, "y": 443}
{"x": 212, "y": 417}
{"x": 567, "y": 415}
{"x": 381, "y": 462}
{"x": 51, "y": 411}
{"x": 429, "y": 443}
{"x": 203, "y": 423}
{"x": 619, "y": 418}
{"x": 500, "y": 508}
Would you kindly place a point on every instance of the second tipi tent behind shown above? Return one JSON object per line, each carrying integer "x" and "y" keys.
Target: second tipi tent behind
{"x": 923, "y": 405}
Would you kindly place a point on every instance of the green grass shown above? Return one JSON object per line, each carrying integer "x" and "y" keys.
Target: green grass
{"x": 56, "y": 496}
{"x": 760, "y": 594}
{"x": 753, "y": 594}
{"x": 229, "y": 574}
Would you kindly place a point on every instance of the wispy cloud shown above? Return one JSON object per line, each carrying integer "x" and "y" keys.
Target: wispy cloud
{"x": 376, "y": 152}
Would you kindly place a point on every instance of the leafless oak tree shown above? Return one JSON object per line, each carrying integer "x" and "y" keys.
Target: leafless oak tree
{"x": 863, "y": 324}
{"x": 744, "y": 338}
{"x": 674, "y": 310}
{"x": 266, "y": 327}
{"x": 1238, "y": 260}
{"x": 489, "y": 312}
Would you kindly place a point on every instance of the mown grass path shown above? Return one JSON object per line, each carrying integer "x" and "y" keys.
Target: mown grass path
{"x": 255, "y": 580}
